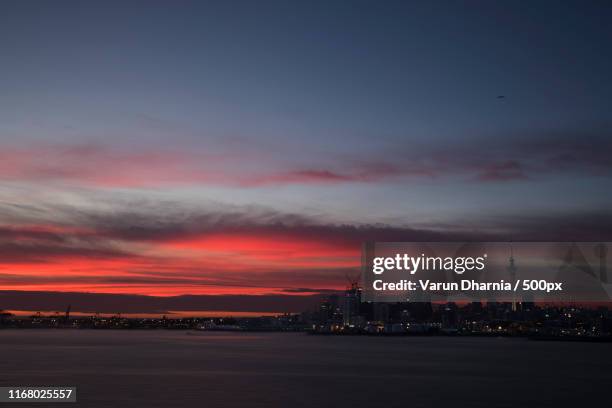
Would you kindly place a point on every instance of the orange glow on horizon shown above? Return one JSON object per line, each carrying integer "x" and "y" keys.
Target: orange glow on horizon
{"x": 213, "y": 264}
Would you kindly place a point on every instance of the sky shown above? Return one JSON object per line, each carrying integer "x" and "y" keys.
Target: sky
{"x": 249, "y": 148}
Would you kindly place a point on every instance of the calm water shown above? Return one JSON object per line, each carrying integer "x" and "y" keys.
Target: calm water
{"x": 174, "y": 369}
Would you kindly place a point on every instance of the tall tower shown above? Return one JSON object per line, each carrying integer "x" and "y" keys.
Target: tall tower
{"x": 512, "y": 273}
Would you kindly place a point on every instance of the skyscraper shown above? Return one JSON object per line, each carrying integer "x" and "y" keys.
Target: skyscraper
{"x": 350, "y": 306}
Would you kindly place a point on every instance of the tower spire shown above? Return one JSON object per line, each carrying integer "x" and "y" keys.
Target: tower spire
{"x": 512, "y": 272}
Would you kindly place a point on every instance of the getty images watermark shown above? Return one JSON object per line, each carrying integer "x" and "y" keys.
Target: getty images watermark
{"x": 486, "y": 271}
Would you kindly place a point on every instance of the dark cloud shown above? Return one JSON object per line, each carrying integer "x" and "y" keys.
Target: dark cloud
{"x": 21, "y": 244}
{"x": 11, "y": 252}
{"x": 99, "y": 232}
{"x": 509, "y": 157}
{"x": 583, "y": 226}
{"x": 310, "y": 290}
{"x": 589, "y": 225}
{"x": 586, "y": 149}
{"x": 514, "y": 157}
{"x": 115, "y": 280}
{"x": 115, "y": 303}
{"x": 168, "y": 221}
{"x": 196, "y": 280}
{"x": 30, "y": 234}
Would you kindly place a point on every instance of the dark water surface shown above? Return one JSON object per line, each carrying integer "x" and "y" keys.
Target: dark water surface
{"x": 175, "y": 369}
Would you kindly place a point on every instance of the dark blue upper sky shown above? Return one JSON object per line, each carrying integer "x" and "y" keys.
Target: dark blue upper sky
{"x": 359, "y": 111}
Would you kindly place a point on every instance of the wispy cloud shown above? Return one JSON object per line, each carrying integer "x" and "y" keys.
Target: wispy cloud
{"x": 522, "y": 157}
{"x": 166, "y": 249}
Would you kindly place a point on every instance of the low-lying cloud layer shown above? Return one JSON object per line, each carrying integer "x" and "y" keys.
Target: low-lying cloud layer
{"x": 166, "y": 249}
{"x": 115, "y": 303}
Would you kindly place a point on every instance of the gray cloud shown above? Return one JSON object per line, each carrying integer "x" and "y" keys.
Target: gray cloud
{"x": 115, "y": 303}
{"x": 489, "y": 158}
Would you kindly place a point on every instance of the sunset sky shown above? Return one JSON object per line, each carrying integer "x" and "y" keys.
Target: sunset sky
{"x": 171, "y": 148}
